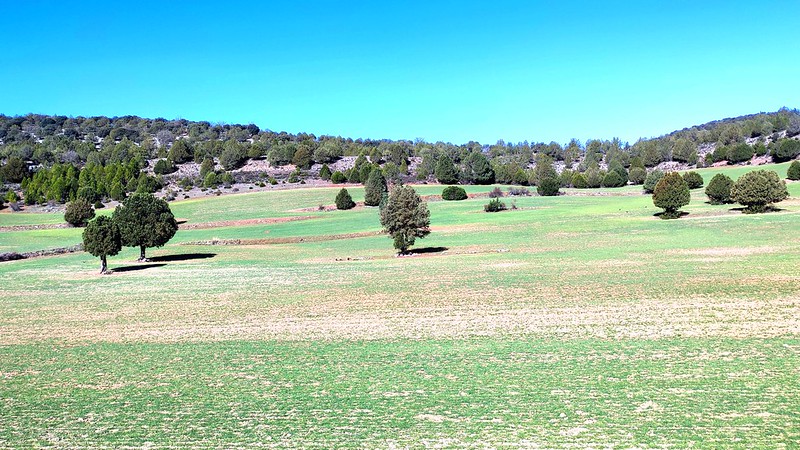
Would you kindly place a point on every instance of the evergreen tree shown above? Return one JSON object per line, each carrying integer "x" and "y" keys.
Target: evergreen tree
{"x": 102, "y": 238}
{"x": 325, "y": 172}
{"x": 478, "y": 169}
{"x": 78, "y": 212}
{"x": 206, "y": 167}
{"x": 670, "y": 194}
{"x": 759, "y": 189}
{"x": 793, "y": 173}
{"x": 145, "y": 221}
{"x": 374, "y": 188}
{"x": 405, "y": 217}
{"x": 718, "y": 190}
{"x": 446, "y": 172}
{"x": 344, "y": 200}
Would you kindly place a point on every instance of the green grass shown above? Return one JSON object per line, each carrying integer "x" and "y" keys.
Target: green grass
{"x": 574, "y": 321}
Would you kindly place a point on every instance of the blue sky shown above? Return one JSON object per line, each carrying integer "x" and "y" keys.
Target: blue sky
{"x": 448, "y": 70}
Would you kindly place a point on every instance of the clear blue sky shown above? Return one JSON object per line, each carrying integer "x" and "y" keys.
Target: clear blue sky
{"x": 438, "y": 70}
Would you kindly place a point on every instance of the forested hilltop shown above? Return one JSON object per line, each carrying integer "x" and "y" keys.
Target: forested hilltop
{"x": 59, "y": 158}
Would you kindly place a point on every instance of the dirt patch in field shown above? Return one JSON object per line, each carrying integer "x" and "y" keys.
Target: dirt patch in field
{"x": 723, "y": 252}
{"x": 284, "y": 240}
{"x": 50, "y": 226}
{"x": 243, "y": 222}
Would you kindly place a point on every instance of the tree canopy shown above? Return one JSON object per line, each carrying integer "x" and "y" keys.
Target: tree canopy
{"x": 145, "y": 221}
{"x": 102, "y": 238}
{"x": 405, "y": 217}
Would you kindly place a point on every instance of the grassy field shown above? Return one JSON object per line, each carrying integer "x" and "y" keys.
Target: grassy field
{"x": 573, "y": 321}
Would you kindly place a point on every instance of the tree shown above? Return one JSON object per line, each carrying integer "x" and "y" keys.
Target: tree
{"x": 693, "y": 179}
{"x": 684, "y": 150}
{"x": 670, "y": 194}
{"x": 548, "y": 187}
{"x": 652, "y": 180}
{"x": 206, "y": 167}
{"x": 454, "y": 193}
{"x": 405, "y": 217}
{"x": 338, "y": 177}
{"x": 145, "y": 221}
{"x": 325, "y": 172}
{"x": 102, "y": 238}
{"x": 758, "y": 189}
{"x": 478, "y": 169}
{"x": 15, "y": 170}
{"x": 233, "y": 156}
{"x": 344, "y": 201}
{"x": 446, "y": 172}
{"x": 637, "y": 175}
{"x": 579, "y": 181}
{"x": 78, "y": 212}
{"x": 180, "y": 152}
{"x": 163, "y": 167}
{"x": 740, "y": 152}
{"x": 374, "y": 188}
{"x": 612, "y": 180}
{"x": 718, "y": 190}
{"x": 793, "y": 173}
{"x": 788, "y": 149}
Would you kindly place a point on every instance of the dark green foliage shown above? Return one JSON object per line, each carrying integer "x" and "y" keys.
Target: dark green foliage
{"x": 494, "y": 205}
{"x": 102, "y": 238}
{"x": 325, "y": 172}
{"x": 565, "y": 177}
{"x": 693, "y": 179}
{"x": 787, "y": 149}
{"x": 227, "y": 179}
{"x": 548, "y": 187}
{"x": 478, "y": 170}
{"x": 180, "y": 152}
{"x": 206, "y": 167}
{"x": 637, "y": 175}
{"x": 759, "y": 189}
{"x": 295, "y": 176}
{"x": 14, "y": 171}
{"x": 145, "y": 221}
{"x": 612, "y": 180}
{"x": 366, "y": 170}
{"x": 117, "y": 192}
{"x": 670, "y": 194}
{"x": 405, "y": 217}
{"x": 793, "y": 173}
{"x": 684, "y": 150}
{"x": 454, "y": 193}
{"x": 210, "y": 180}
{"x": 374, "y": 188}
{"x": 718, "y": 190}
{"x": 740, "y": 153}
{"x": 163, "y": 167}
{"x": 579, "y": 181}
{"x": 652, "y": 180}
{"x": 720, "y": 153}
{"x": 78, "y": 212}
{"x": 344, "y": 200}
{"x": 338, "y": 177}
{"x": 303, "y": 157}
{"x": 233, "y": 155}
{"x": 446, "y": 172}
{"x": 621, "y": 173}
{"x": 594, "y": 177}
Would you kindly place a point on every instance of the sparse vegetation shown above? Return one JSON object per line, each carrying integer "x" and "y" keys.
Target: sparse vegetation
{"x": 495, "y": 205}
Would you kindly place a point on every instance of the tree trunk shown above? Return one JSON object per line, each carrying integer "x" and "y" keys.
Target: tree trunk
{"x": 103, "y": 265}
{"x": 142, "y": 258}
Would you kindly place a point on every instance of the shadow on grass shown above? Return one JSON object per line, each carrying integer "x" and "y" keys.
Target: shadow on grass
{"x": 135, "y": 268}
{"x": 183, "y": 257}
{"x": 423, "y": 250}
{"x": 769, "y": 209}
{"x": 662, "y": 215}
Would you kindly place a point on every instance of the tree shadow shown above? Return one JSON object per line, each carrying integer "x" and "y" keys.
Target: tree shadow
{"x": 661, "y": 214}
{"x": 181, "y": 222}
{"x": 135, "y": 268}
{"x": 424, "y": 250}
{"x": 183, "y": 257}
{"x": 770, "y": 209}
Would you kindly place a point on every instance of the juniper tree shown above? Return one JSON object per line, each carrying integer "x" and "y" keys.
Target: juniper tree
{"x": 758, "y": 189}
{"x": 374, "y": 188}
{"x": 670, "y": 194}
{"x": 78, "y": 212}
{"x": 102, "y": 238}
{"x": 145, "y": 221}
{"x": 718, "y": 190}
{"x": 405, "y": 217}
{"x": 344, "y": 200}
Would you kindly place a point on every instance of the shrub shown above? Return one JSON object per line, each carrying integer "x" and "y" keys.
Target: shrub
{"x": 670, "y": 194}
{"x": 693, "y": 179}
{"x": 344, "y": 201}
{"x": 454, "y": 193}
{"x": 637, "y": 175}
{"x": 794, "y": 171}
{"x": 338, "y": 177}
{"x": 325, "y": 172}
{"x": 788, "y": 149}
{"x": 164, "y": 167}
{"x": 519, "y": 191}
{"x": 612, "y": 180}
{"x": 579, "y": 181}
{"x": 494, "y": 205}
{"x": 210, "y": 180}
{"x": 206, "y": 167}
{"x": 294, "y": 177}
{"x": 718, "y": 190}
{"x": 495, "y": 193}
{"x": 374, "y": 188}
{"x": 548, "y": 187}
{"x": 99, "y": 205}
{"x": 79, "y": 212}
{"x": 758, "y": 189}
{"x": 652, "y": 180}
{"x": 594, "y": 177}
{"x": 740, "y": 153}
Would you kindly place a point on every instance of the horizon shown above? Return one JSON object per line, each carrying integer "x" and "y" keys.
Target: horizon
{"x": 513, "y": 71}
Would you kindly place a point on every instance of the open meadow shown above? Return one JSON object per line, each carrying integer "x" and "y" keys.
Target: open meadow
{"x": 573, "y": 321}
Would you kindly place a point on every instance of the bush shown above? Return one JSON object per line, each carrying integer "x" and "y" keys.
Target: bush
{"x": 454, "y": 193}
{"x": 79, "y": 212}
{"x": 548, "y": 187}
{"x": 494, "y": 205}
{"x": 496, "y": 193}
{"x": 519, "y": 191}
{"x": 446, "y": 172}
{"x": 579, "y": 181}
{"x": 612, "y": 180}
{"x": 670, "y": 194}
{"x": 718, "y": 190}
{"x": 652, "y": 180}
{"x": 164, "y": 167}
{"x": 740, "y": 153}
{"x": 344, "y": 201}
{"x": 788, "y": 149}
{"x": 294, "y": 177}
{"x": 758, "y": 189}
{"x": 794, "y": 171}
{"x": 211, "y": 180}
{"x": 325, "y": 172}
{"x": 338, "y": 177}
{"x": 693, "y": 179}
{"x": 637, "y": 175}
